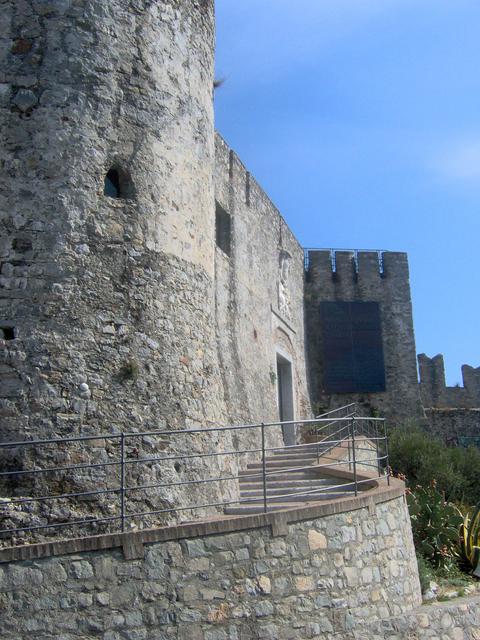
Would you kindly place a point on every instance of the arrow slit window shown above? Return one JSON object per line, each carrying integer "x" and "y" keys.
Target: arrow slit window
{"x": 222, "y": 229}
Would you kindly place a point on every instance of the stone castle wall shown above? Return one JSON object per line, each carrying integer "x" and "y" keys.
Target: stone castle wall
{"x": 391, "y": 289}
{"x": 451, "y": 412}
{"x": 253, "y": 323}
{"x": 312, "y": 573}
{"x": 451, "y": 425}
{"x": 435, "y": 392}
{"x": 121, "y": 314}
{"x": 107, "y": 304}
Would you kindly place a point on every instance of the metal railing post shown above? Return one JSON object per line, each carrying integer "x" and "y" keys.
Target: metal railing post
{"x": 264, "y": 470}
{"x": 377, "y": 444}
{"x": 122, "y": 481}
{"x": 318, "y": 443}
{"x": 354, "y": 457}
{"x": 387, "y": 457}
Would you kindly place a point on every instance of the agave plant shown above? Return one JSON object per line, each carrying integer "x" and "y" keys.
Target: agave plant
{"x": 470, "y": 540}
{"x": 435, "y": 525}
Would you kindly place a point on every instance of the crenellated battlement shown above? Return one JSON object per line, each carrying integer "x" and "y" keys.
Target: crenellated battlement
{"x": 434, "y": 390}
{"x": 358, "y": 274}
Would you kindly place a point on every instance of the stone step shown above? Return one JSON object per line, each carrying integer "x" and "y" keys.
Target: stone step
{"x": 302, "y": 483}
{"x": 246, "y": 509}
{"x": 302, "y": 448}
{"x": 307, "y": 450}
{"x": 293, "y": 454}
{"x": 291, "y": 459}
{"x": 293, "y": 479}
{"x": 280, "y": 491}
{"x": 281, "y": 464}
{"x": 281, "y": 473}
{"x": 304, "y": 497}
{"x": 295, "y": 451}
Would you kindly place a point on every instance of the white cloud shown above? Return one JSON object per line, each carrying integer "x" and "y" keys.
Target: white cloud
{"x": 459, "y": 160}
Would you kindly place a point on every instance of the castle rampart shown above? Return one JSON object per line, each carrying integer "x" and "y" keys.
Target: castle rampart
{"x": 453, "y": 413}
{"x": 435, "y": 392}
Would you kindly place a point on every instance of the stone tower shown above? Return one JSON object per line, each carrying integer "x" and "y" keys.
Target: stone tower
{"x": 107, "y": 220}
{"x": 361, "y": 341}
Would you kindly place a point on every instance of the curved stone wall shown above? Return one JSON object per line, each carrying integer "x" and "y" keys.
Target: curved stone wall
{"x": 107, "y": 303}
{"x": 306, "y": 573}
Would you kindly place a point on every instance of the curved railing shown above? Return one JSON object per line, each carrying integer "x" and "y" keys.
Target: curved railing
{"x": 110, "y": 477}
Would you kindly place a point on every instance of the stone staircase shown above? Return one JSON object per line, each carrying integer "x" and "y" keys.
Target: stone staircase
{"x": 293, "y": 478}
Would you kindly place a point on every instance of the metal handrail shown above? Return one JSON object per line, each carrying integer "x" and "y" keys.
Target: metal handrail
{"x": 331, "y": 431}
{"x": 351, "y": 405}
{"x": 142, "y": 434}
{"x": 349, "y": 410}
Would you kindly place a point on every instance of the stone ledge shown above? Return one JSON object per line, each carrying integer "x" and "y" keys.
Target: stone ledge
{"x": 132, "y": 542}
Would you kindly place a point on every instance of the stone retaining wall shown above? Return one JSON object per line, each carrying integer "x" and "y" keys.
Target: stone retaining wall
{"x": 315, "y": 572}
{"x": 459, "y": 620}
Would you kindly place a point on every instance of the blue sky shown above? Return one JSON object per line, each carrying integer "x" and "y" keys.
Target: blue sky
{"x": 361, "y": 120}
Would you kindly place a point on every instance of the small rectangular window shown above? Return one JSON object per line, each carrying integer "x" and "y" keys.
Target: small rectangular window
{"x": 223, "y": 229}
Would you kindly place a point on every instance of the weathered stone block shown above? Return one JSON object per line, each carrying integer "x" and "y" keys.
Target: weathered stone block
{"x": 263, "y": 609}
{"x": 316, "y": 540}
{"x": 82, "y": 570}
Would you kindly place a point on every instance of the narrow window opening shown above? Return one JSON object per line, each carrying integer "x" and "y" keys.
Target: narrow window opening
{"x": 247, "y": 189}
{"x": 112, "y": 184}
{"x": 22, "y": 245}
{"x": 7, "y": 333}
{"x": 223, "y": 229}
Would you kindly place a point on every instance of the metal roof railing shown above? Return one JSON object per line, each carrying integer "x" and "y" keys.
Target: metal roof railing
{"x": 354, "y": 252}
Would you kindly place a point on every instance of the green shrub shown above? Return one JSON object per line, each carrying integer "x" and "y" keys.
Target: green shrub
{"x": 435, "y": 526}
{"x": 422, "y": 458}
{"x": 466, "y": 465}
{"x": 425, "y": 573}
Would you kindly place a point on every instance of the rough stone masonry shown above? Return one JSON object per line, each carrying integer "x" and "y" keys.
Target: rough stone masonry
{"x": 122, "y": 309}
{"x": 325, "y": 572}
{"x": 107, "y": 305}
{"x": 322, "y": 573}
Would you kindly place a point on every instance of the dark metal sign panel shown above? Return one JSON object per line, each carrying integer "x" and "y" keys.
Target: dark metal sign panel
{"x": 352, "y": 347}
